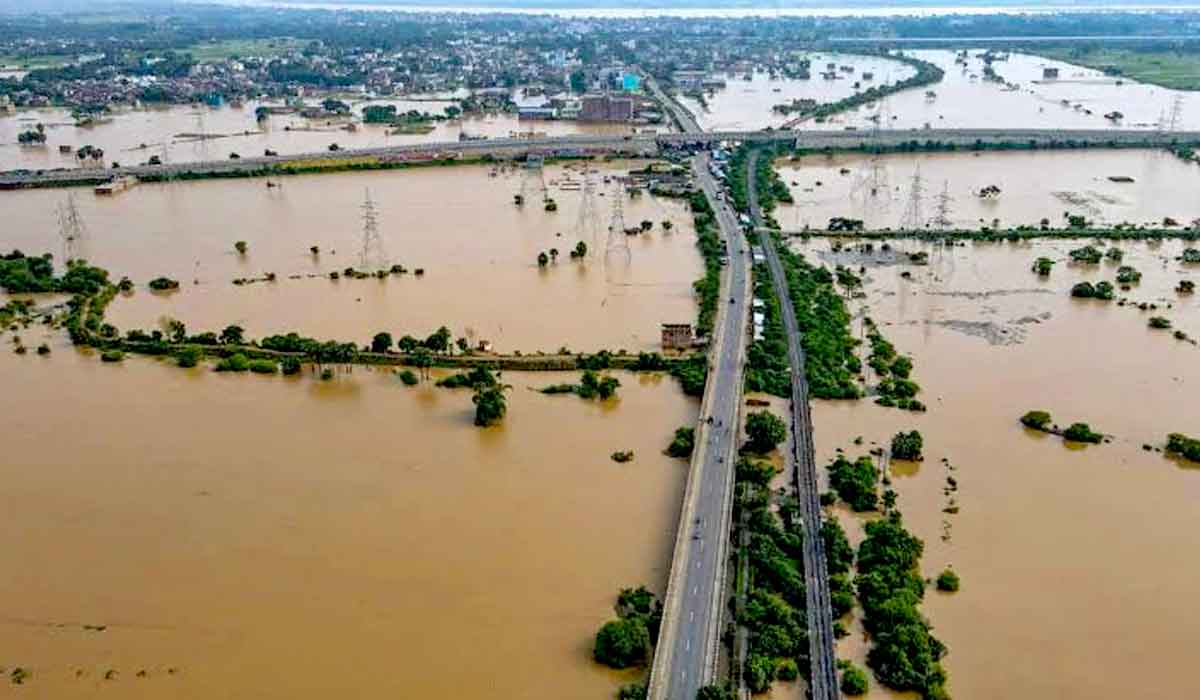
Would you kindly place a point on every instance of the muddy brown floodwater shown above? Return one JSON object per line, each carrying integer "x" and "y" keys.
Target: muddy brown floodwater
{"x": 289, "y": 538}
{"x": 1072, "y": 558}
{"x": 131, "y": 136}
{"x": 1033, "y": 185}
{"x": 478, "y": 249}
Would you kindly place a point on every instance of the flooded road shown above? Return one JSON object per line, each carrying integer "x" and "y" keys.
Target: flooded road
{"x": 479, "y": 252}
{"x": 1034, "y": 185}
{"x": 132, "y": 136}
{"x": 289, "y": 538}
{"x": 1069, "y": 556}
{"x": 964, "y": 99}
{"x": 746, "y": 104}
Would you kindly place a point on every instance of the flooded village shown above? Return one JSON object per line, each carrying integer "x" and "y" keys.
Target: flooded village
{"x": 340, "y": 365}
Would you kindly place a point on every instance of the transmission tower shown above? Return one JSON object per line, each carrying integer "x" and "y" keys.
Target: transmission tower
{"x": 1176, "y": 113}
{"x": 873, "y": 184}
{"x": 618, "y": 245}
{"x": 372, "y": 254}
{"x": 71, "y": 229}
{"x": 914, "y": 219}
{"x": 941, "y": 217}
{"x": 586, "y": 226}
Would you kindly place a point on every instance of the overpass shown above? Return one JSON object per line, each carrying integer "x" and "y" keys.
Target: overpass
{"x": 632, "y": 145}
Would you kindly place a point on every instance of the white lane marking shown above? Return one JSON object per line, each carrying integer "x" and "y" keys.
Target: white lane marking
{"x": 689, "y": 644}
{"x": 691, "y": 615}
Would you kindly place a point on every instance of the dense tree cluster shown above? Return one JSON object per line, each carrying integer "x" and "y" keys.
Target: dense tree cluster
{"x": 904, "y": 653}
{"x": 907, "y": 445}
{"x": 839, "y": 557}
{"x": 854, "y": 482}
{"x": 683, "y": 443}
{"x": 1184, "y": 446}
{"x": 1038, "y": 420}
{"x": 20, "y": 274}
{"x": 767, "y": 368}
{"x": 708, "y": 240}
{"x": 764, "y": 431}
{"x": 1086, "y": 290}
{"x": 1082, "y": 432}
{"x": 896, "y": 387}
{"x": 1087, "y": 255}
{"x": 626, "y": 641}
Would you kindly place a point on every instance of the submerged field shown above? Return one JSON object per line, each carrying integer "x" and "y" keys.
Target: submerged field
{"x": 1045, "y": 534}
{"x": 186, "y": 534}
{"x": 477, "y": 249}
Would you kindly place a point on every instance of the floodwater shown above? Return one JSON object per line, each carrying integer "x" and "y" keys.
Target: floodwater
{"x": 132, "y": 136}
{"x": 965, "y": 100}
{"x": 477, "y": 248}
{"x": 746, "y": 104}
{"x": 1069, "y": 555}
{"x": 276, "y": 537}
{"x": 1033, "y": 185}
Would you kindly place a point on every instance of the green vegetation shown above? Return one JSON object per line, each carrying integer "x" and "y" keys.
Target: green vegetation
{"x": 854, "y": 679}
{"x": 1191, "y": 256}
{"x": 896, "y": 388}
{"x": 926, "y": 74}
{"x": 590, "y": 386}
{"x": 188, "y": 356}
{"x": 692, "y": 374}
{"x": 904, "y": 653}
{"x": 236, "y": 362}
{"x": 948, "y": 581}
{"x": 622, "y": 456}
{"x": 716, "y": 692}
{"x": 907, "y": 446}
{"x": 854, "y": 482}
{"x": 839, "y": 557}
{"x": 1038, "y": 420}
{"x": 626, "y": 641}
{"x": 408, "y": 377}
{"x": 1087, "y": 255}
{"x": 490, "y": 402}
{"x": 263, "y": 366}
{"x": 1086, "y": 290}
{"x": 1158, "y": 65}
{"x": 290, "y": 366}
{"x": 1128, "y": 275}
{"x": 21, "y": 274}
{"x": 1159, "y": 322}
{"x": 683, "y": 443}
{"x": 112, "y": 356}
{"x": 824, "y": 325}
{"x": 163, "y": 284}
{"x": 767, "y": 368}
{"x": 764, "y": 431}
{"x": 708, "y": 240}
{"x": 1042, "y": 266}
{"x": 1082, "y": 432}
{"x": 1183, "y": 446}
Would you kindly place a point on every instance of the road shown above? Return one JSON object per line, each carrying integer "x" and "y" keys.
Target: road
{"x": 635, "y": 144}
{"x": 823, "y": 684}
{"x": 690, "y": 640}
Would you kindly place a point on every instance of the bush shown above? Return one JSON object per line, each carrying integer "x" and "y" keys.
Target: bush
{"x": 855, "y": 482}
{"x": 112, "y": 356}
{"x": 163, "y": 284}
{"x": 683, "y": 443}
{"x": 1042, "y": 266}
{"x": 907, "y": 446}
{"x": 1086, "y": 290}
{"x": 408, "y": 377}
{"x": 1088, "y": 255}
{"x": 263, "y": 366}
{"x": 1184, "y": 446}
{"x": 854, "y": 680}
{"x": 1038, "y": 420}
{"x": 760, "y": 671}
{"x": 948, "y": 581}
{"x": 1159, "y": 322}
{"x": 764, "y": 431}
{"x": 187, "y": 357}
{"x": 787, "y": 670}
{"x": 236, "y": 362}
{"x": 1082, "y": 432}
{"x": 622, "y": 643}
{"x": 290, "y": 365}
{"x": 634, "y": 691}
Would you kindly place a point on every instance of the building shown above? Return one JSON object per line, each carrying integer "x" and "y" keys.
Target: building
{"x": 1049, "y": 73}
{"x": 606, "y": 108}
{"x": 677, "y": 336}
{"x": 630, "y": 82}
{"x": 537, "y": 113}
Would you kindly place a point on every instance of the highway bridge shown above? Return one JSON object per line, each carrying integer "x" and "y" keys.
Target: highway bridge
{"x": 632, "y": 145}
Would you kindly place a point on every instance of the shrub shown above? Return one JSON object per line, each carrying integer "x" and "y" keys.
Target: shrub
{"x": 622, "y": 643}
{"x": 907, "y": 445}
{"x": 683, "y": 443}
{"x": 787, "y": 670}
{"x": 263, "y": 366}
{"x": 408, "y": 377}
{"x": 854, "y": 680}
{"x": 43, "y": 349}
{"x": 1128, "y": 275}
{"x": 1088, "y": 255}
{"x": 163, "y": 284}
{"x": 622, "y": 456}
{"x": 948, "y": 581}
{"x": 236, "y": 362}
{"x": 1082, "y": 432}
{"x": 112, "y": 356}
{"x": 1038, "y": 420}
{"x": 187, "y": 357}
{"x": 326, "y": 374}
{"x": 1184, "y": 446}
{"x": 290, "y": 365}
{"x": 764, "y": 431}
{"x": 1159, "y": 322}
{"x": 855, "y": 482}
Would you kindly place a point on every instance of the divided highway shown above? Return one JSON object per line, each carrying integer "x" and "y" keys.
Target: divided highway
{"x": 823, "y": 685}
{"x": 690, "y": 639}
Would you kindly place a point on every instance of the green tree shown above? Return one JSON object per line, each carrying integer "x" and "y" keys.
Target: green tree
{"x": 490, "y": 404}
{"x": 855, "y": 482}
{"x": 233, "y": 335}
{"x": 764, "y": 431}
{"x": 1038, "y": 420}
{"x": 760, "y": 671}
{"x": 622, "y": 643}
{"x": 683, "y": 443}
{"x": 543, "y": 259}
{"x": 240, "y": 247}
{"x": 382, "y": 342}
{"x": 854, "y": 679}
{"x": 948, "y": 581}
{"x": 1082, "y": 432}
{"x": 408, "y": 344}
{"x": 439, "y": 340}
{"x": 187, "y": 357}
{"x": 290, "y": 365}
{"x": 907, "y": 445}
